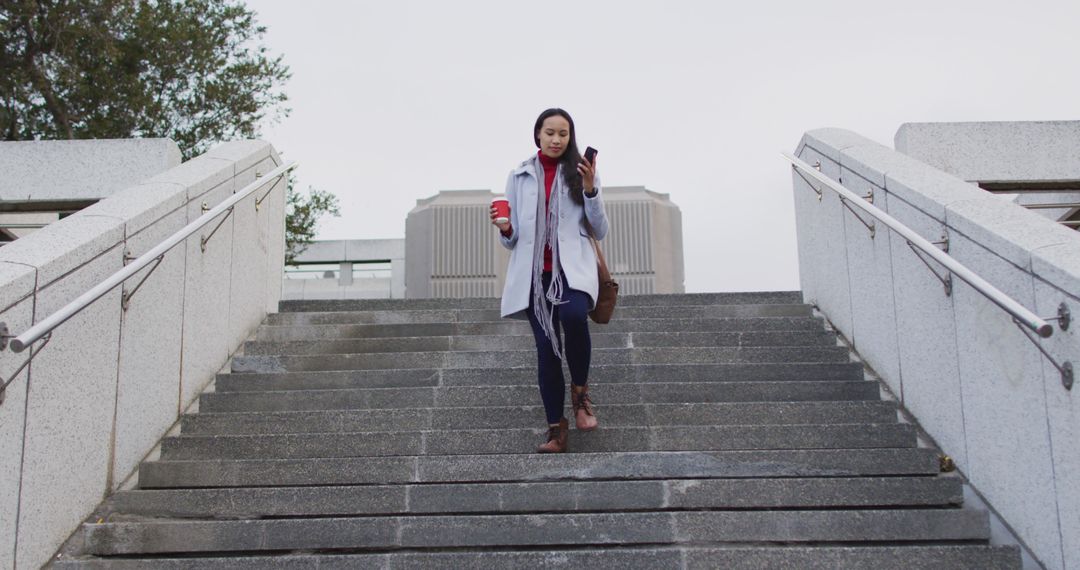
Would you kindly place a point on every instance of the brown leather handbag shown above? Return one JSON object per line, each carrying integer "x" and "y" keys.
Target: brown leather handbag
{"x": 608, "y": 292}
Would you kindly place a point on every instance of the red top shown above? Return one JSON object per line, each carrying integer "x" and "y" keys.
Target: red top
{"x": 550, "y": 166}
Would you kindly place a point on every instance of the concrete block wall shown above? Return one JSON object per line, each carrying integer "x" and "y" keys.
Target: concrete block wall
{"x": 110, "y": 382}
{"x": 985, "y": 393}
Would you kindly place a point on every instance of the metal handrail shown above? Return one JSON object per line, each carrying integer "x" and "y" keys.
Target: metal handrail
{"x": 36, "y": 332}
{"x": 1049, "y": 206}
{"x": 995, "y": 295}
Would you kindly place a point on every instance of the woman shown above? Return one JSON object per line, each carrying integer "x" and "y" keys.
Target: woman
{"x": 551, "y": 278}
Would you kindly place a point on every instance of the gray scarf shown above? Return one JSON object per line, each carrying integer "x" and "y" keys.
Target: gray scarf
{"x": 544, "y": 302}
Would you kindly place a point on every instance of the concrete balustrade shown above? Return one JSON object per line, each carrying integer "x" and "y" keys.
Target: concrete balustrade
{"x": 110, "y": 382}
{"x": 987, "y": 396}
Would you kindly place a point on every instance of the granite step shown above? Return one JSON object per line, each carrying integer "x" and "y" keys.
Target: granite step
{"x": 281, "y": 333}
{"x": 526, "y": 375}
{"x": 496, "y": 417}
{"x": 585, "y": 496}
{"x": 400, "y": 434}
{"x": 523, "y": 395}
{"x": 509, "y": 358}
{"x": 526, "y": 342}
{"x": 537, "y": 467}
{"x": 485, "y": 315}
{"x": 519, "y": 440}
{"x": 577, "y": 529}
{"x": 657, "y": 300}
{"x": 738, "y": 557}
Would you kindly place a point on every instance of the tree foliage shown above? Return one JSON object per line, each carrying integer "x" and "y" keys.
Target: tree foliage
{"x": 302, "y": 213}
{"x": 189, "y": 70}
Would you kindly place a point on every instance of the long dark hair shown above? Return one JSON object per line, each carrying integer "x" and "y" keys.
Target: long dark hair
{"x": 570, "y": 157}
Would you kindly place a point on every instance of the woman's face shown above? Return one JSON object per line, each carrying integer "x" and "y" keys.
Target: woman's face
{"x": 554, "y": 136}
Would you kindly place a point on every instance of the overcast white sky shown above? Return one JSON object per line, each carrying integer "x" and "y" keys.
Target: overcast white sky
{"x": 395, "y": 100}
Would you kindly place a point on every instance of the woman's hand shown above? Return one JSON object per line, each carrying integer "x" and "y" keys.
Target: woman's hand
{"x": 588, "y": 174}
{"x": 503, "y": 227}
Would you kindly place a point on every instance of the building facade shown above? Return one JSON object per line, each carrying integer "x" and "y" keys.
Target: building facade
{"x": 452, "y": 249}
{"x": 347, "y": 269}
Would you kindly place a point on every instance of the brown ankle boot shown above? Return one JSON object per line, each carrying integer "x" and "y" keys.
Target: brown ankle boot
{"x": 584, "y": 417}
{"x": 556, "y": 438}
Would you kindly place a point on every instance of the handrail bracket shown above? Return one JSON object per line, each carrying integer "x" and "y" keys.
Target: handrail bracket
{"x": 808, "y": 183}
{"x": 259, "y": 200}
{"x": 5, "y": 335}
{"x": 203, "y": 241}
{"x": 33, "y": 354}
{"x": 125, "y": 299}
{"x": 870, "y": 226}
{"x": 943, "y": 243}
{"x": 946, "y": 281}
{"x": 1064, "y": 317}
{"x": 1065, "y": 368}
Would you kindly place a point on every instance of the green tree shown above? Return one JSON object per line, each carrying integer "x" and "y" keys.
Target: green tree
{"x": 189, "y": 70}
{"x": 302, "y": 213}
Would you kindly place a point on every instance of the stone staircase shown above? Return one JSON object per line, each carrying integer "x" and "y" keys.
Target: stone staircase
{"x": 735, "y": 433}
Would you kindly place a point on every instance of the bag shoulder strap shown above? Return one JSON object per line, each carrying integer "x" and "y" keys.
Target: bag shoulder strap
{"x": 596, "y": 246}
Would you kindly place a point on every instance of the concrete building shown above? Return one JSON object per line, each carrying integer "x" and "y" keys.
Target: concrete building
{"x": 347, "y": 269}
{"x": 452, "y": 249}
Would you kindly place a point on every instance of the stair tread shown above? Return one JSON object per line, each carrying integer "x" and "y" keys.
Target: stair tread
{"x": 270, "y": 331}
{"x": 434, "y": 531}
{"x": 498, "y": 359}
{"x": 492, "y": 342}
{"x": 536, "y": 467}
{"x": 736, "y": 557}
{"x": 599, "y": 374}
{"x": 507, "y": 440}
{"x": 582, "y": 496}
{"x": 615, "y": 415}
{"x": 735, "y": 433}
{"x": 518, "y": 395}
{"x": 655, "y": 299}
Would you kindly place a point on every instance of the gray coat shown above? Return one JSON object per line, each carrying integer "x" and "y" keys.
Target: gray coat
{"x": 576, "y": 255}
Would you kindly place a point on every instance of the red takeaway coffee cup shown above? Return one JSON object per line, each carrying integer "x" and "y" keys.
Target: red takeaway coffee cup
{"x": 502, "y": 210}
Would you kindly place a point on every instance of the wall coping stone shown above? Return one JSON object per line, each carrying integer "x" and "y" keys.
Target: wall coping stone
{"x": 67, "y": 245}
{"x": 198, "y": 176}
{"x": 141, "y": 205}
{"x": 244, "y": 154}
{"x": 15, "y": 280}
{"x": 1059, "y": 265}
{"x": 1013, "y": 151}
{"x": 80, "y": 170}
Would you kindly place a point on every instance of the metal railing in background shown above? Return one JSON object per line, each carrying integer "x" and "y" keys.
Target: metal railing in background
{"x": 1020, "y": 314}
{"x": 1049, "y": 206}
{"x": 44, "y": 328}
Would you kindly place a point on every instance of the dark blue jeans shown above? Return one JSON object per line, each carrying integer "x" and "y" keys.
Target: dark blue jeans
{"x": 573, "y": 318}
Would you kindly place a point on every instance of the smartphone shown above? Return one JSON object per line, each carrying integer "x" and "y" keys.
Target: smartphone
{"x": 590, "y": 154}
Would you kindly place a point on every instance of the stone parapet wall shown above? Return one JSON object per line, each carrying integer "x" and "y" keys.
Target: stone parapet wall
{"x": 958, "y": 363}
{"x": 111, "y": 381}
